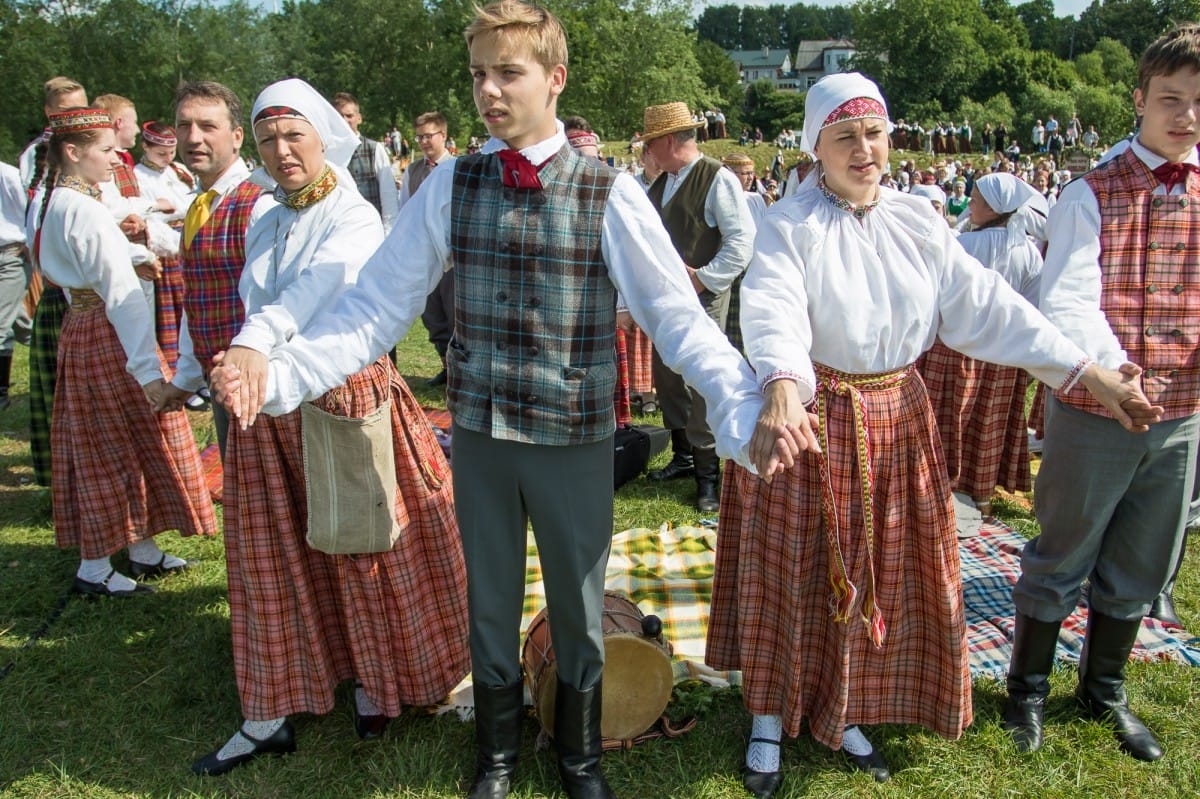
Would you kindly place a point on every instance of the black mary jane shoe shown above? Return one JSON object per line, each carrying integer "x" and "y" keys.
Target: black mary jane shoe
{"x": 763, "y": 784}
{"x": 370, "y": 728}
{"x": 872, "y": 763}
{"x": 151, "y": 571}
{"x": 90, "y": 589}
{"x": 281, "y": 742}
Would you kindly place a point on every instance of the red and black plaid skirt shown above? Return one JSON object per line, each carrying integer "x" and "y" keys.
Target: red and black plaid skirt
{"x": 641, "y": 377}
{"x": 980, "y": 412}
{"x": 771, "y": 604}
{"x": 303, "y": 621}
{"x": 168, "y": 308}
{"x": 122, "y": 473}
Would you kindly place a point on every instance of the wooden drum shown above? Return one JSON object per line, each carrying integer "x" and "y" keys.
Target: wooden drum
{"x": 637, "y": 669}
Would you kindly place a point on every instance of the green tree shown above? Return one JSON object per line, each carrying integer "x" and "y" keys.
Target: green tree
{"x": 721, "y": 25}
{"x": 719, "y": 74}
{"x": 1110, "y": 109}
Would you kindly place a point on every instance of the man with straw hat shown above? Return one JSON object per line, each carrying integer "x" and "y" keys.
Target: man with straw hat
{"x": 704, "y": 211}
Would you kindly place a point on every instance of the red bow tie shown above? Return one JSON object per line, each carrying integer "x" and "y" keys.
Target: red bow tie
{"x": 517, "y": 171}
{"x": 1169, "y": 174}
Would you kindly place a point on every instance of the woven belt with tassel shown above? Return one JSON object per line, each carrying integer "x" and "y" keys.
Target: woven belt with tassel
{"x": 845, "y": 592}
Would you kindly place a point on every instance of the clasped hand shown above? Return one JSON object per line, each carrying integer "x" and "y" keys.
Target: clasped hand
{"x": 785, "y": 429}
{"x": 239, "y": 382}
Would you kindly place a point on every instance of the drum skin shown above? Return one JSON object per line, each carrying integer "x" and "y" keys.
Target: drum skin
{"x": 637, "y": 671}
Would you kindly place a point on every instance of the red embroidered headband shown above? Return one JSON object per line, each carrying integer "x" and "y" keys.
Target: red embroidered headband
{"x": 163, "y": 139}
{"x": 856, "y": 108}
{"x": 80, "y": 119}
{"x": 278, "y": 112}
{"x": 582, "y": 138}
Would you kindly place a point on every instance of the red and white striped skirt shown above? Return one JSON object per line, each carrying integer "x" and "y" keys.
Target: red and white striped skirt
{"x": 303, "y": 621}
{"x": 771, "y": 605}
{"x": 980, "y": 412}
{"x": 121, "y": 473}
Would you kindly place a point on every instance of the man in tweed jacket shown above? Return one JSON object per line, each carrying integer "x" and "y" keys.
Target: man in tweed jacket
{"x": 542, "y": 241}
{"x": 1119, "y": 280}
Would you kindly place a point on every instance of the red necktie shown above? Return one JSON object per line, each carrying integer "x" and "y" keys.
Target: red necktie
{"x": 430, "y": 164}
{"x": 1169, "y": 174}
{"x": 517, "y": 171}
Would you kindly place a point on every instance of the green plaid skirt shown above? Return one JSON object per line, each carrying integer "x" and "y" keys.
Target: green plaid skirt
{"x": 43, "y": 371}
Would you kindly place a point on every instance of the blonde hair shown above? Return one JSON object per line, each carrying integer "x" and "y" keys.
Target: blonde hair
{"x": 112, "y": 103}
{"x": 58, "y": 86}
{"x": 535, "y": 28}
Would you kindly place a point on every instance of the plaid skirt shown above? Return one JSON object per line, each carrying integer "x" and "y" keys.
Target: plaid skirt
{"x": 639, "y": 347}
{"x": 1037, "y": 411}
{"x": 771, "y": 603}
{"x": 980, "y": 412}
{"x": 122, "y": 473}
{"x": 303, "y": 621}
{"x": 168, "y": 309}
{"x": 43, "y": 370}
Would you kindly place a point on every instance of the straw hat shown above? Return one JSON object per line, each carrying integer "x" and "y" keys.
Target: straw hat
{"x": 659, "y": 120}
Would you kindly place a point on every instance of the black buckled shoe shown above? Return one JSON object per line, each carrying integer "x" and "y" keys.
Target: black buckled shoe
{"x": 151, "y": 571}
{"x": 89, "y": 589}
{"x": 282, "y": 742}
{"x": 679, "y": 466}
{"x": 762, "y": 784}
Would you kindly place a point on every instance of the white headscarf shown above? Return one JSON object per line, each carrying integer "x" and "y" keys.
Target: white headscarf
{"x": 827, "y": 95}
{"x": 1005, "y": 193}
{"x": 929, "y": 192}
{"x": 339, "y": 140}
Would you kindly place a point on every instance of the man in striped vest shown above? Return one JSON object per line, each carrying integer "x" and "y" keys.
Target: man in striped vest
{"x": 1120, "y": 281}
{"x": 371, "y": 166}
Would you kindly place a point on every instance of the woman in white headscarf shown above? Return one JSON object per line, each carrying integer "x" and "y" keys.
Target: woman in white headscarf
{"x": 980, "y": 406}
{"x": 303, "y": 620}
{"x": 849, "y": 284}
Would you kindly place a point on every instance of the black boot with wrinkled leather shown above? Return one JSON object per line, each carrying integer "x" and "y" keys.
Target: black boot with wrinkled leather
{"x": 577, "y": 739}
{"x": 1106, "y": 648}
{"x": 498, "y": 716}
{"x": 1029, "y": 680}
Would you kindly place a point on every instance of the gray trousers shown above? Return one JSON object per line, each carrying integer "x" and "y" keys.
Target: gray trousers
{"x": 682, "y": 406}
{"x": 500, "y": 487}
{"x": 1112, "y": 506}
{"x": 14, "y": 279}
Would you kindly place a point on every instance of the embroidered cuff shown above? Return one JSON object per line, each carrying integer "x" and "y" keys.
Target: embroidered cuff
{"x": 781, "y": 374}
{"x": 1074, "y": 375}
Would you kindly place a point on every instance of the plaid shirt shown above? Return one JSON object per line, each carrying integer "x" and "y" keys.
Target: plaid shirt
{"x": 532, "y": 358}
{"x": 212, "y": 268}
{"x": 1149, "y": 245}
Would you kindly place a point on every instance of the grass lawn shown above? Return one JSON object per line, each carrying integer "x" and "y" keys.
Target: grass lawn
{"x": 117, "y": 697}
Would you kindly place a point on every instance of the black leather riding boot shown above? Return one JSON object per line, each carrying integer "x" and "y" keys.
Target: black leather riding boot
{"x": 577, "y": 739}
{"x": 498, "y": 716}
{"x": 1029, "y": 680}
{"x": 1106, "y": 648}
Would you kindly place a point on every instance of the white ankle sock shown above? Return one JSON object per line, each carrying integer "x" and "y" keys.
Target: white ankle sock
{"x": 147, "y": 553}
{"x": 239, "y": 744}
{"x": 855, "y": 743}
{"x": 97, "y": 570}
{"x": 364, "y": 704}
{"x": 761, "y": 755}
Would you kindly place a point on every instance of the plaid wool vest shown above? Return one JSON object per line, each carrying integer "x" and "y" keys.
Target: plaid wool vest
{"x": 1149, "y": 251}
{"x": 212, "y": 267}
{"x": 532, "y": 358}
{"x": 362, "y": 168}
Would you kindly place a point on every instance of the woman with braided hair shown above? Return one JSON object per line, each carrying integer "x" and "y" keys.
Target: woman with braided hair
{"x": 121, "y": 472}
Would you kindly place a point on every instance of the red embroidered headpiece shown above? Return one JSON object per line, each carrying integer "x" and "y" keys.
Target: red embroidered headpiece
{"x": 80, "y": 119}
{"x": 857, "y": 108}
{"x": 149, "y": 136}
{"x": 582, "y": 138}
{"x": 278, "y": 112}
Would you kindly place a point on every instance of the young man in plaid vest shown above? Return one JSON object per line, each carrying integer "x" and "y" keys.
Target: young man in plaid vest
{"x": 371, "y": 166}
{"x": 1119, "y": 280}
{"x": 542, "y": 240}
